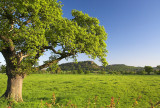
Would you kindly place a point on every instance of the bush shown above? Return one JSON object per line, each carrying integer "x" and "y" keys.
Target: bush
{"x": 132, "y": 72}
{"x": 80, "y": 71}
{"x": 102, "y": 72}
{"x": 74, "y": 72}
{"x": 86, "y": 72}
{"x": 142, "y": 72}
{"x": 157, "y": 72}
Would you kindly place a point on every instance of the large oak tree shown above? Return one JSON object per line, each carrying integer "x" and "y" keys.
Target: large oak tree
{"x": 31, "y": 27}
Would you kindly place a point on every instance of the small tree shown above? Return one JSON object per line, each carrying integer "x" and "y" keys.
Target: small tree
{"x": 148, "y": 69}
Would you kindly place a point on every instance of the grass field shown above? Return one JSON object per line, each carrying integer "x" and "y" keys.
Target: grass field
{"x": 87, "y": 90}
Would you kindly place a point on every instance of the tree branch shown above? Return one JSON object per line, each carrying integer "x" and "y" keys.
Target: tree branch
{"x": 21, "y": 56}
{"x": 9, "y": 16}
{"x": 9, "y": 41}
{"x": 12, "y": 26}
{"x": 62, "y": 54}
{"x": 26, "y": 22}
{"x": 53, "y": 61}
{"x": 49, "y": 63}
{"x": 51, "y": 48}
{"x": 4, "y": 38}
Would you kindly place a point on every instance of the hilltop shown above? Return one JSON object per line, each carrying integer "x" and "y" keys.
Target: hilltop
{"x": 90, "y": 65}
{"x": 85, "y": 65}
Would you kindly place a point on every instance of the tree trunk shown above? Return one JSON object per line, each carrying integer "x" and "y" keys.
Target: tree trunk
{"x": 14, "y": 88}
{"x": 15, "y": 80}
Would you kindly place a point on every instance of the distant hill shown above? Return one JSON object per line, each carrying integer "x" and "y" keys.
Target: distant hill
{"x": 85, "y": 65}
{"x": 122, "y": 67}
{"x": 90, "y": 65}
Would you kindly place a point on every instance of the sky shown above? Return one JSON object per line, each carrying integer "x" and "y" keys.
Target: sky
{"x": 133, "y": 28}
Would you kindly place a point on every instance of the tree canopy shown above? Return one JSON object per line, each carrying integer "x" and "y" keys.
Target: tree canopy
{"x": 148, "y": 69}
{"x": 30, "y": 27}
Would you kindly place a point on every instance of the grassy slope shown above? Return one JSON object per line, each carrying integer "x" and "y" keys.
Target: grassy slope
{"x": 82, "y": 88}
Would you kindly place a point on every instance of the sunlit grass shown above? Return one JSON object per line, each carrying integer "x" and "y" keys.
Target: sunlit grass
{"x": 82, "y": 89}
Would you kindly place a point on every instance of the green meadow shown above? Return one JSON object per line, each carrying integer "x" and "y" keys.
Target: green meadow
{"x": 86, "y": 91}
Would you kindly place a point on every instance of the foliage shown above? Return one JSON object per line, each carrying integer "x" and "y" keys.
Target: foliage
{"x": 85, "y": 65}
{"x": 2, "y": 69}
{"x": 80, "y": 71}
{"x": 31, "y": 27}
{"x": 158, "y": 67}
{"x": 157, "y": 72}
{"x": 81, "y": 90}
{"x": 93, "y": 67}
{"x": 102, "y": 72}
{"x": 74, "y": 72}
{"x": 114, "y": 72}
{"x": 148, "y": 69}
{"x": 87, "y": 72}
{"x": 141, "y": 72}
{"x": 54, "y": 68}
{"x": 24, "y": 27}
{"x": 122, "y": 68}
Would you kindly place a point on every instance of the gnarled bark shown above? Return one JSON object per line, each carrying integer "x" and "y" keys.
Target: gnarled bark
{"x": 15, "y": 80}
{"x": 14, "y": 88}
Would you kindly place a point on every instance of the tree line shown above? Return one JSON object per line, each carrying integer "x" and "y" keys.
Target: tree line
{"x": 89, "y": 67}
{"x": 110, "y": 69}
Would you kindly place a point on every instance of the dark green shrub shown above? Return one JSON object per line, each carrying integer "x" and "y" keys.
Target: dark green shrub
{"x": 80, "y": 71}
{"x": 74, "y": 72}
{"x": 141, "y": 72}
{"x": 148, "y": 69}
{"x": 132, "y": 72}
{"x": 102, "y": 72}
{"x": 87, "y": 72}
{"x": 157, "y": 72}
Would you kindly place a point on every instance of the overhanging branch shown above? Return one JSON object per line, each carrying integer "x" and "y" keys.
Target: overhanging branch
{"x": 53, "y": 62}
{"x": 49, "y": 63}
{"x": 51, "y": 48}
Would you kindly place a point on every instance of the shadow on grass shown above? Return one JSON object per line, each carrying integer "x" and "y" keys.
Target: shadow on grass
{"x": 44, "y": 98}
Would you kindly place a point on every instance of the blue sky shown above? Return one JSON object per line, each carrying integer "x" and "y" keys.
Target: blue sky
{"x": 133, "y": 28}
